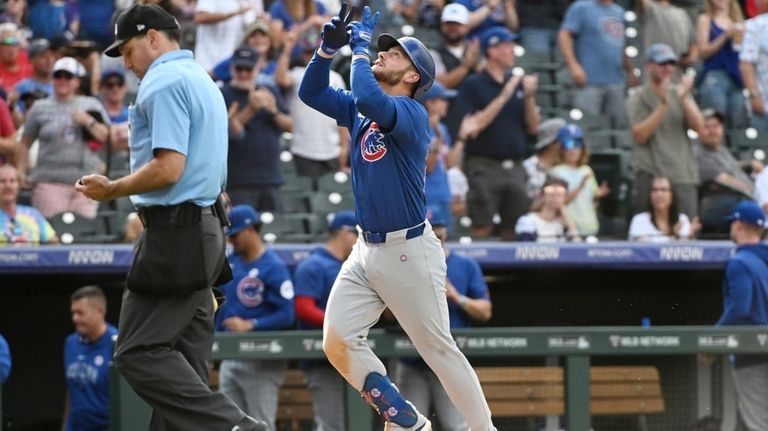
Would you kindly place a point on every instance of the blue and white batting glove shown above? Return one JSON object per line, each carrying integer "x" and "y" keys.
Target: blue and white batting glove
{"x": 360, "y": 32}
{"x": 334, "y": 33}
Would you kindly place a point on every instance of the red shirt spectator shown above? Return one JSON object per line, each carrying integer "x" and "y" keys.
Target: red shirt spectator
{"x": 14, "y": 62}
{"x": 7, "y": 133}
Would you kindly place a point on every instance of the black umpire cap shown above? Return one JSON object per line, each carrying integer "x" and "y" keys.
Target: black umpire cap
{"x": 138, "y": 20}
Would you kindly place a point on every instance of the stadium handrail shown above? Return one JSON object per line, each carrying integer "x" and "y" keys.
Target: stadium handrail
{"x": 575, "y": 344}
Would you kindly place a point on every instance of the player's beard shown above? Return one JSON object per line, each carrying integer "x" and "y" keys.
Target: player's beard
{"x": 388, "y": 77}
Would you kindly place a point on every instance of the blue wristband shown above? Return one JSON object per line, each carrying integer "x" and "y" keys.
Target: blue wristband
{"x": 328, "y": 50}
{"x": 361, "y": 50}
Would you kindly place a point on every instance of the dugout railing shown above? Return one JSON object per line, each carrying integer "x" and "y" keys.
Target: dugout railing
{"x": 576, "y": 345}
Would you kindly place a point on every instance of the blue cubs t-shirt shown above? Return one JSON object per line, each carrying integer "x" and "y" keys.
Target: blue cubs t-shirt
{"x": 260, "y": 290}
{"x": 598, "y": 33}
{"x": 86, "y": 367}
{"x": 465, "y": 275}
{"x": 314, "y": 278}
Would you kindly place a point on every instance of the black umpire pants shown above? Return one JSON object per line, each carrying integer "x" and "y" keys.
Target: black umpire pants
{"x": 163, "y": 348}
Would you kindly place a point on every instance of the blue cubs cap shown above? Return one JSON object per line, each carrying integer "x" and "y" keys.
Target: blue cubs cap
{"x": 748, "y": 212}
{"x": 496, "y": 35}
{"x": 245, "y": 56}
{"x": 240, "y": 217}
{"x": 660, "y": 53}
{"x": 436, "y": 216}
{"x": 115, "y": 71}
{"x": 438, "y": 91}
{"x": 571, "y": 136}
{"x": 343, "y": 220}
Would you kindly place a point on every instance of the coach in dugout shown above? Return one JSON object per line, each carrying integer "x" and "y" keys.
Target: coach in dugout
{"x": 259, "y": 298}
{"x": 745, "y": 302}
{"x": 87, "y": 356}
{"x": 178, "y": 149}
{"x": 314, "y": 278}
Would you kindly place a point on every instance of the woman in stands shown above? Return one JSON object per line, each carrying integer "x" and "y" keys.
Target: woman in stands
{"x": 720, "y": 29}
{"x": 664, "y": 222}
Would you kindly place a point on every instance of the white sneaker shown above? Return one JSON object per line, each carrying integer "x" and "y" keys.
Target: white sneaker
{"x": 422, "y": 424}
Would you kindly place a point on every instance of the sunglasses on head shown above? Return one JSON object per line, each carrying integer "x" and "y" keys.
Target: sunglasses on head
{"x": 61, "y": 74}
{"x": 572, "y": 143}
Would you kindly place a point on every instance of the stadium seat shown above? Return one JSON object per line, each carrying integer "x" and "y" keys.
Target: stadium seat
{"x": 739, "y": 140}
{"x": 296, "y": 201}
{"x": 286, "y": 228}
{"x": 324, "y": 203}
{"x": 612, "y": 166}
{"x": 297, "y": 183}
{"x": 72, "y": 228}
{"x": 339, "y": 182}
{"x": 622, "y": 139}
{"x": 598, "y": 140}
{"x": 593, "y": 122}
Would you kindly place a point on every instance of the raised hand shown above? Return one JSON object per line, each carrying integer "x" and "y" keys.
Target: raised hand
{"x": 360, "y": 32}
{"x": 685, "y": 85}
{"x": 335, "y": 33}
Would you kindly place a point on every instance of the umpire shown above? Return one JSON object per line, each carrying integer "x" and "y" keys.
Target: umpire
{"x": 178, "y": 149}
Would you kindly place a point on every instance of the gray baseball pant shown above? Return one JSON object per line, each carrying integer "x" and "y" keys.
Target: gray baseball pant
{"x": 408, "y": 276}
{"x": 422, "y": 387}
{"x": 327, "y": 389}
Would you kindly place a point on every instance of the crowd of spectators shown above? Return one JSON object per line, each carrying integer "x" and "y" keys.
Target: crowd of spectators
{"x": 650, "y": 66}
{"x": 498, "y": 158}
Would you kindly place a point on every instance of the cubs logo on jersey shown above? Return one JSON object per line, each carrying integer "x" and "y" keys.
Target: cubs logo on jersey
{"x": 372, "y": 145}
{"x": 250, "y": 291}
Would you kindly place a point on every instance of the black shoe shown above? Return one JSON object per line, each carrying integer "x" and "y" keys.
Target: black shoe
{"x": 250, "y": 424}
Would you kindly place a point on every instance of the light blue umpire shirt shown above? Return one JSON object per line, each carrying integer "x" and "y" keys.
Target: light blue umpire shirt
{"x": 179, "y": 108}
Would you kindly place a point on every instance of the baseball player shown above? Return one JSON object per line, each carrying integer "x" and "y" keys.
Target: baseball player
{"x": 397, "y": 261}
{"x": 259, "y": 298}
{"x": 87, "y": 357}
{"x": 468, "y": 300}
{"x": 314, "y": 278}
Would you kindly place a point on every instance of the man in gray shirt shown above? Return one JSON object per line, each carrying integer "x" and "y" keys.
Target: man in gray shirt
{"x": 660, "y": 113}
{"x": 724, "y": 181}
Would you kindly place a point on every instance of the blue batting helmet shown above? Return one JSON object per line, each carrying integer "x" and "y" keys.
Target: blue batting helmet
{"x": 419, "y": 56}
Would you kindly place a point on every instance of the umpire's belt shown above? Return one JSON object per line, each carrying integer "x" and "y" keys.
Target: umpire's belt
{"x": 380, "y": 238}
{"x": 183, "y": 214}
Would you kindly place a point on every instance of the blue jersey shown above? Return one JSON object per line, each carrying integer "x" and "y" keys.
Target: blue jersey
{"x": 465, "y": 275}
{"x": 87, "y": 371}
{"x": 390, "y": 137}
{"x": 260, "y": 291}
{"x": 314, "y": 278}
{"x": 5, "y": 360}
